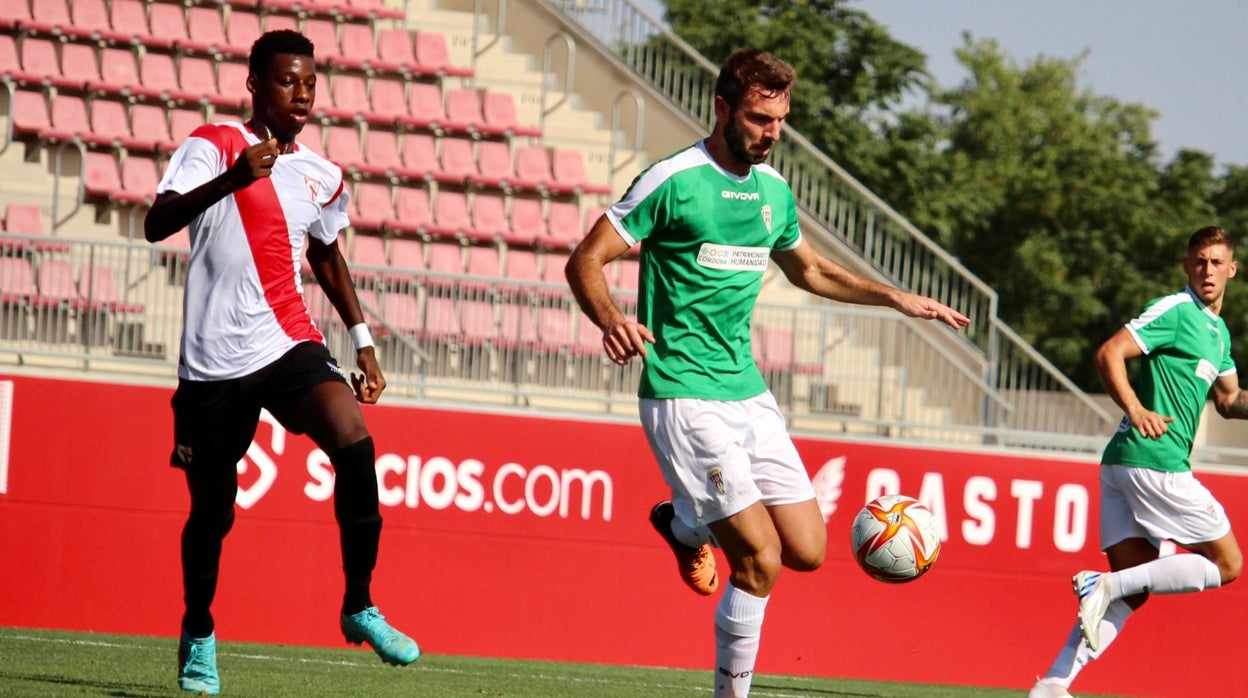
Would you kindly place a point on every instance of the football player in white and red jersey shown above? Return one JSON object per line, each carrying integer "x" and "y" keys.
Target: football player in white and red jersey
{"x": 251, "y": 196}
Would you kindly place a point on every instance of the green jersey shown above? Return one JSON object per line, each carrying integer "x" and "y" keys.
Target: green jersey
{"x": 707, "y": 239}
{"x": 1186, "y": 348}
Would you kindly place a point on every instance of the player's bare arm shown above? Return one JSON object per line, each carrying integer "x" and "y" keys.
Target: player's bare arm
{"x": 172, "y": 211}
{"x": 330, "y": 269}
{"x": 1230, "y": 401}
{"x": 812, "y": 272}
{"x": 622, "y": 339}
{"x": 1111, "y": 365}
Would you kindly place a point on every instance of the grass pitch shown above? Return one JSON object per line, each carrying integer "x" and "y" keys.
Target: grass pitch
{"x": 52, "y": 663}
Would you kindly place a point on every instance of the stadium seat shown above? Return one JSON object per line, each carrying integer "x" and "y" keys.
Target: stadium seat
{"x": 375, "y": 9}
{"x": 92, "y": 16}
{"x": 368, "y": 251}
{"x": 446, "y": 258}
{"x": 450, "y": 212}
{"x": 25, "y": 219}
{"x": 324, "y": 35}
{"x": 441, "y": 320}
{"x": 424, "y": 104}
{"x": 533, "y": 165}
{"x": 99, "y": 289}
{"x": 521, "y": 265}
{"x": 55, "y": 282}
{"x": 28, "y": 114}
{"x": 342, "y": 146}
{"x": 489, "y": 216}
{"x": 383, "y": 158}
{"x": 479, "y": 321}
{"x": 456, "y": 162}
{"x": 553, "y": 268}
{"x": 418, "y": 155}
{"x": 394, "y": 48}
{"x": 463, "y": 105}
{"x": 554, "y": 327}
{"x": 312, "y": 137}
{"x": 563, "y": 226}
{"x": 78, "y": 63}
{"x": 241, "y": 31}
{"x": 402, "y": 311}
{"x": 432, "y": 54}
{"x": 627, "y": 273}
{"x": 567, "y": 167}
{"x": 483, "y": 260}
{"x": 275, "y": 22}
{"x": 494, "y": 168}
{"x": 119, "y": 73}
{"x": 139, "y": 179}
{"x": 371, "y": 208}
{"x": 167, "y": 23}
{"x": 51, "y": 17}
{"x": 499, "y": 111}
{"x": 183, "y": 121}
{"x": 159, "y": 78}
{"x": 40, "y": 63}
{"x": 414, "y": 214}
{"x": 110, "y": 124}
{"x": 197, "y": 76}
{"x": 232, "y": 80}
{"x": 153, "y": 122}
{"x": 14, "y": 13}
{"x": 347, "y": 99}
{"x": 129, "y": 18}
{"x": 528, "y": 224}
{"x": 206, "y": 33}
{"x": 359, "y": 49}
{"x": 387, "y": 101}
{"x": 407, "y": 254}
{"x": 17, "y": 280}
{"x": 69, "y": 121}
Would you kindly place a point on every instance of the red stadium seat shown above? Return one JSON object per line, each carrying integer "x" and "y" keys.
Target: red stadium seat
{"x": 450, "y": 212}
{"x": 489, "y": 216}
{"x": 342, "y": 145}
{"x": 17, "y": 280}
{"x": 241, "y": 31}
{"x": 129, "y": 18}
{"x": 206, "y": 33}
{"x": 499, "y": 110}
{"x": 446, "y": 258}
{"x": 153, "y": 123}
{"x": 394, "y": 48}
{"x": 100, "y": 290}
{"x": 563, "y": 225}
{"x": 348, "y": 99}
{"x": 484, "y": 261}
{"x": 78, "y": 62}
{"x": 54, "y": 279}
{"x": 432, "y": 54}
{"x": 14, "y": 13}
{"x": 567, "y": 166}
{"x": 414, "y": 214}
{"x": 109, "y": 123}
{"x": 527, "y": 222}
{"x": 369, "y": 250}
{"x": 91, "y": 16}
{"x": 463, "y": 105}
{"x": 456, "y": 161}
{"x": 29, "y": 114}
{"x": 167, "y": 23}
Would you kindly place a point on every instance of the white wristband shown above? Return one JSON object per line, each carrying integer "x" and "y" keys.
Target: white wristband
{"x": 361, "y": 337}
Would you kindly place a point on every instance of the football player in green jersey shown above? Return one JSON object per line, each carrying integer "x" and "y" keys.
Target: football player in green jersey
{"x": 711, "y": 218}
{"x": 1148, "y": 491}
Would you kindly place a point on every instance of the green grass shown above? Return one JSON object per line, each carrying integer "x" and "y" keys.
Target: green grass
{"x": 51, "y": 663}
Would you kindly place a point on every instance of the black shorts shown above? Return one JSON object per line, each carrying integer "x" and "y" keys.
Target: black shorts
{"x": 215, "y": 421}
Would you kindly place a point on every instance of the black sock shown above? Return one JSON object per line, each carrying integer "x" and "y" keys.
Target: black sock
{"x": 359, "y": 520}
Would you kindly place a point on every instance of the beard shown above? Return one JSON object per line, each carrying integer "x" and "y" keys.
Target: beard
{"x": 736, "y": 144}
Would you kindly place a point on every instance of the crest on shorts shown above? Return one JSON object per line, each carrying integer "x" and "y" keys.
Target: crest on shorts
{"x": 314, "y": 187}
{"x": 767, "y": 216}
{"x": 716, "y": 477}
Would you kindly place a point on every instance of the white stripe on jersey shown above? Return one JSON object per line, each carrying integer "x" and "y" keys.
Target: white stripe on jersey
{"x": 243, "y": 306}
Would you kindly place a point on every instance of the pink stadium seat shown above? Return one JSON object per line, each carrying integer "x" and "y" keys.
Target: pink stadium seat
{"x": 342, "y": 145}
{"x": 324, "y": 36}
{"x": 39, "y": 60}
{"x": 489, "y": 216}
{"x": 9, "y": 63}
{"x": 394, "y": 48}
{"x": 446, "y": 258}
{"x": 275, "y": 22}
{"x": 402, "y": 311}
{"x": 206, "y": 33}
{"x": 375, "y": 9}
{"x": 51, "y": 17}
{"x": 348, "y": 99}
{"x": 91, "y": 18}
{"x": 494, "y": 168}
{"x": 153, "y": 123}
{"x": 25, "y": 219}
{"x": 433, "y": 54}
{"x": 183, "y": 121}
{"x": 371, "y": 208}
{"x": 139, "y": 178}
{"x": 119, "y": 73}
{"x": 386, "y": 99}
{"x": 69, "y": 121}
{"x": 109, "y": 123}
{"x": 78, "y": 61}
{"x": 418, "y": 155}
{"x": 14, "y": 13}
{"x": 484, "y": 261}
{"x": 554, "y": 327}
{"x": 167, "y": 22}
{"x": 517, "y": 325}
{"x": 368, "y": 250}
{"x": 563, "y": 225}
{"x": 100, "y": 290}
{"x": 241, "y": 31}
{"x": 450, "y": 212}
{"x": 568, "y": 169}
{"x": 17, "y": 280}
{"x": 479, "y": 321}
{"x": 456, "y": 162}
{"x": 533, "y": 165}
{"x": 382, "y": 157}
{"x": 129, "y": 18}
{"x": 407, "y": 254}
{"x": 414, "y": 214}
{"x": 424, "y": 103}
{"x": 160, "y": 79}
{"x": 197, "y": 76}
{"x": 522, "y": 265}
{"x": 55, "y": 281}
{"x": 552, "y": 268}
{"x": 527, "y": 222}
{"x": 313, "y": 138}
{"x": 100, "y": 178}
{"x": 359, "y": 48}
{"x": 499, "y": 111}
{"x": 232, "y": 80}
{"x": 441, "y": 322}
{"x": 628, "y": 273}
{"x": 463, "y": 105}
{"x": 29, "y": 117}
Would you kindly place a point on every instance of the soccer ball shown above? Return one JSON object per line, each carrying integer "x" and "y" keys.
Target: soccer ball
{"x": 895, "y": 539}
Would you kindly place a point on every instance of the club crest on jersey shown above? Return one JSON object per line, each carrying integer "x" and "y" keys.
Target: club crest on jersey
{"x": 314, "y": 187}
{"x": 767, "y": 216}
{"x": 716, "y": 477}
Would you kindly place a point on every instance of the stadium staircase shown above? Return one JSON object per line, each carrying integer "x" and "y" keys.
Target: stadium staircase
{"x": 480, "y": 139}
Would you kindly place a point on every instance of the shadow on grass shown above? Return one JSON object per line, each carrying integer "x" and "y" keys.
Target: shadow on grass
{"x": 789, "y": 689}
{"x": 120, "y": 689}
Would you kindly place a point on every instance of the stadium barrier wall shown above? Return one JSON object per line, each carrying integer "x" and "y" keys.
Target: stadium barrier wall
{"x": 519, "y": 537}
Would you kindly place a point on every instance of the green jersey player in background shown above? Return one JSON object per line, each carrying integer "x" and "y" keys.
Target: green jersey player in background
{"x": 710, "y": 218}
{"x": 1148, "y": 492}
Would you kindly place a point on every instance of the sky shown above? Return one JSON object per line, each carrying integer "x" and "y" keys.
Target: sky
{"x": 1187, "y": 60}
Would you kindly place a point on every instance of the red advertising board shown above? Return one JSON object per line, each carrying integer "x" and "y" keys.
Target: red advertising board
{"x": 514, "y": 536}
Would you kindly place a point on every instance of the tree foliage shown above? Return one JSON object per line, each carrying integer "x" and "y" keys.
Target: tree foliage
{"x": 1057, "y": 197}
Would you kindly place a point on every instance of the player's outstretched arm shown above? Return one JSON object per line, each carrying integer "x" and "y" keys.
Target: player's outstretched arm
{"x": 812, "y": 272}
{"x": 622, "y": 339}
{"x": 171, "y": 211}
{"x": 331, "y": 272}
{"x": 1230, "y": 401}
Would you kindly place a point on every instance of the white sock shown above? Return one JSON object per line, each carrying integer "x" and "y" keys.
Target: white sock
{"x": 692, "y": 537}
{"x": 1075, "y": 654}
{"x": 1173, "y": 574}
{"x": 738, "y": 627}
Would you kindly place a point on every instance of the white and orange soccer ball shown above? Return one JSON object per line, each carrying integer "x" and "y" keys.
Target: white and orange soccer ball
{"x": 895, "y": 539}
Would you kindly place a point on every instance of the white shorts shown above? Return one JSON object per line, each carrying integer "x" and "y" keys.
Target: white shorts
{"x": 720, "y": 457}
{"x": 1158, "y": 506}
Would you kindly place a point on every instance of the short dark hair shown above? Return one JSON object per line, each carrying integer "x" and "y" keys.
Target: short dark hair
{"x": 1209, "y": 235}
{"x": 753, "y": 68}
{"x": 276, "y": 42}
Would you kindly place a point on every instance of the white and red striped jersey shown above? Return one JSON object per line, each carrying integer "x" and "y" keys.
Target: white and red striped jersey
{"x": 244, "y": 305}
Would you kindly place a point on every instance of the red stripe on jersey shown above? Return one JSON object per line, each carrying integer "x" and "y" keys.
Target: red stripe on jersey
{"x": 268, "y": 236}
